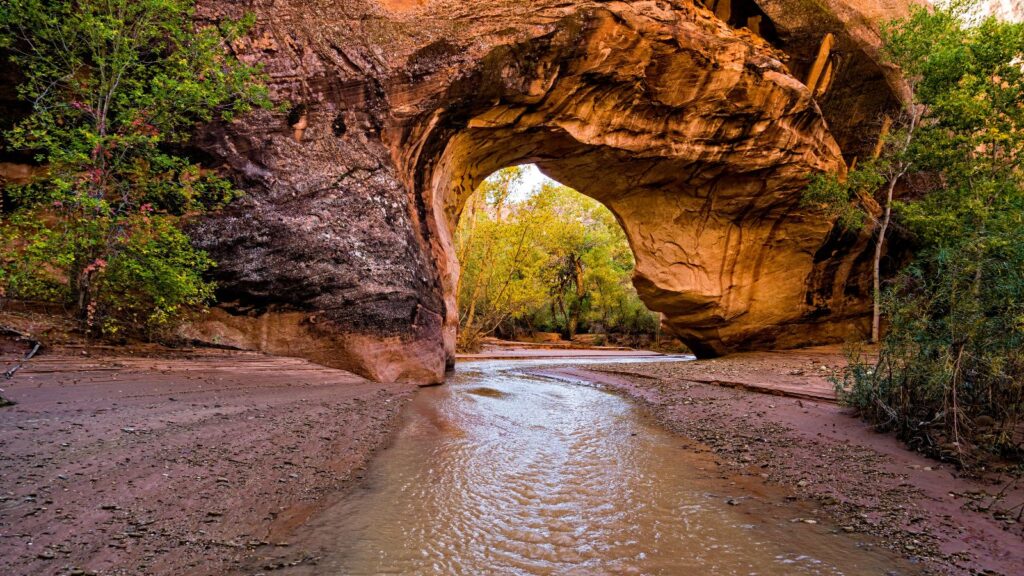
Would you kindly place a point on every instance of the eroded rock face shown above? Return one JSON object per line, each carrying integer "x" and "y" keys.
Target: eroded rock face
{"x": 696, "y": 132}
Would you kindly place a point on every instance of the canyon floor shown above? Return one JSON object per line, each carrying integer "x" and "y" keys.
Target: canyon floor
{"x": 205, "y": 461}
{"x": 181, "y": 464}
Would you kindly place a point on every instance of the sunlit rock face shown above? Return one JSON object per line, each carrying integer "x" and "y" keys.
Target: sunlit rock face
{"x": 693, "y": 124}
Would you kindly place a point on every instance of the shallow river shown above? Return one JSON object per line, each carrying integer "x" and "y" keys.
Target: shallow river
{"x": 499, "y": 472}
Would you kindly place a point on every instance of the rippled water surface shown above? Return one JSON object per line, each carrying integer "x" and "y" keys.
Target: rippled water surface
{"x": 504, "y": 473}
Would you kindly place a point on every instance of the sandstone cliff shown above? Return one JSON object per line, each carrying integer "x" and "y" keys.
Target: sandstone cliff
{"x": 696, "y": 125}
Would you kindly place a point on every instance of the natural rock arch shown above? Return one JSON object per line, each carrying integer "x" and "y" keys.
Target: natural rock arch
{"x": 698, "y": 142}
{"x": 697, "y": 135}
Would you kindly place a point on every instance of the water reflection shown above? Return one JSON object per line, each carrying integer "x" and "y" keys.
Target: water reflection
{"x": 504, "y": 473}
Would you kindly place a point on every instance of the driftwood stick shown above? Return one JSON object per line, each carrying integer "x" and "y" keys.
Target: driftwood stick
{"x": 14, "y": 369}
{"x": 10, "y": 372}
{"x": 8, "y": 331}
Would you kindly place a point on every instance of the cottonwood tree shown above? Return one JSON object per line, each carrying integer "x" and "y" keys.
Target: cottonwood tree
{"x": 863, "y": 197}
{"x": 500, "y": 260}
{"x": 549, "y": 260}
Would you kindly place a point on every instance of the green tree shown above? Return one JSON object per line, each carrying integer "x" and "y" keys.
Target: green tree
{"x": 950, "y": 373}
{"x": 501, "y": 261}
{"x": 863, "y": 197}
{"x": 589, "y": 258}
{"x": 550, "y": 260}
{"x": 117, "y": 88}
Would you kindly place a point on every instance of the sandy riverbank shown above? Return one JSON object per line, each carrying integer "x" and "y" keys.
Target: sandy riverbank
{"x": 861, "y": 481}
{"x": 205, "y": 462}
{"x": 175, "y": 465}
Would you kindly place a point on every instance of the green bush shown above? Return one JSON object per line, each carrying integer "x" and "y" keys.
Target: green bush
{"x": 117, "y": 88}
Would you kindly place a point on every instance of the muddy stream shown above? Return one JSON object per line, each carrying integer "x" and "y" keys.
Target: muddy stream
{"x": 502, "y": 472}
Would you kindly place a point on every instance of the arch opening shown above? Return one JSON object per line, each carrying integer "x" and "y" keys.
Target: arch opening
{"x": 541, "y": 262}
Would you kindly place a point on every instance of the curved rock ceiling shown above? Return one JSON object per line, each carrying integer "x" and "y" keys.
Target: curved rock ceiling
{"x": 694, "y": 125}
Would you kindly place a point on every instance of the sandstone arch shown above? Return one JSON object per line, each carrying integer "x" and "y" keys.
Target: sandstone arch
{"x": 697, "y": 134}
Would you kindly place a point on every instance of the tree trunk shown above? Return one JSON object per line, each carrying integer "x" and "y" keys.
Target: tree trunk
{"x": 466, "y": 334}
{"x": 577, "y": 270}
{"x": 876, "y": 296}
{"x": 876, "y": 312}
{"x": 561, "y": 308}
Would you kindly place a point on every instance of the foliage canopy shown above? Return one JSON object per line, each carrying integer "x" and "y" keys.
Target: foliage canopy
{"x": 553, "y": 261}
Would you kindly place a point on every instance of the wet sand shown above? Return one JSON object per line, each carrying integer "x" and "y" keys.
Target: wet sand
{"x": 863, "y": 482}
{"x": 175, "y": 465}
{"x": 538, "y": 353}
